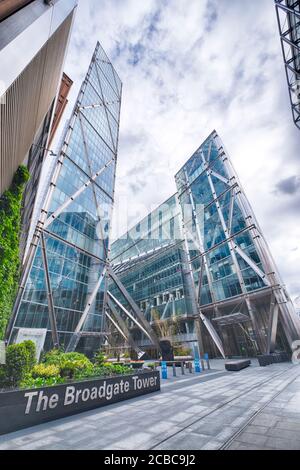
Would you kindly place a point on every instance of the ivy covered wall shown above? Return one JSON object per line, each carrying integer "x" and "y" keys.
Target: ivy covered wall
{"x": 10, "y": 227}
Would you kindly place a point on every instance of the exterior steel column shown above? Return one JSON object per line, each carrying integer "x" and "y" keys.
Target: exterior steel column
{"x": 272, "y": 328}
{"x": 123, "y": 327}
{"x": 52, "y": 317}
{"x": 141, "y": 319}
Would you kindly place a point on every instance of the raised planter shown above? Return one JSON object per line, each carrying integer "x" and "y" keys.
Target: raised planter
{"x": 23, "y": 408}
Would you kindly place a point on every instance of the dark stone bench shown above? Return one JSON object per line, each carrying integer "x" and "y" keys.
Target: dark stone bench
{"x": 238, "y": 364}
{"x": 267, "y": 359}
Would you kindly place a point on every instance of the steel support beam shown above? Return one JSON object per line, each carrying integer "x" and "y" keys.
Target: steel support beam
{"x": 115, "y": 325}
{"x": 132, "y": 318}
{"x": 76, "y": 335}
{"x": 213, "y": 334}
{"x": 142, "y": 322}
{"x": 122, "y": 327}
{"x": 51, "y": 308}
{"x": 220, "y": 177}
{"x": 272, "y": 326}
{"x": 252, "y": 265}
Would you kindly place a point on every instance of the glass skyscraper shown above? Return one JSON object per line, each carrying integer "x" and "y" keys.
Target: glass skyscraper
{"x": 202, "y": 255}
{"x": 64, "y": 280}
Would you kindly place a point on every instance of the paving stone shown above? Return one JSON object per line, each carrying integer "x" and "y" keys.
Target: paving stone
{"x": 239, "y": 421}
{"x": 41, "y": 443}
{"x": 226, "y": 434}
{"x": 132, "y": 442}
{"x": 8, "y": 446}
{"x": 212, "y": 445}
{"x": 242, "y": 446}
{"x": 289, "y": 425}
{"x": 255, "y": 429}
{"x": 252, "y": 439}
{"x": 265, "y": 419}
{"x": 284, "y": 433}
{"x": 207, "y": 428}
{"x": 184, "y": 441}
{"x": 282, "y": 444}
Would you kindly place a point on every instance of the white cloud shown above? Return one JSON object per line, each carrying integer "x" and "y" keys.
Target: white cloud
{"x": 199, "y": 66}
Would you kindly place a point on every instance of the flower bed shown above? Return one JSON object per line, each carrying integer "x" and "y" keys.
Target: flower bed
{"x": 62, "y": 384}
{"x": 56, "y": 367}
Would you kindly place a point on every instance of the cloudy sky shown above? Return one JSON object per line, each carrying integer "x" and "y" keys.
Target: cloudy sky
{"x": 188, "y": 67}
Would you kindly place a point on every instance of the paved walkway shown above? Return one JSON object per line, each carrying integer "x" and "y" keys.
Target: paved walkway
{"x": 256, "y": 408}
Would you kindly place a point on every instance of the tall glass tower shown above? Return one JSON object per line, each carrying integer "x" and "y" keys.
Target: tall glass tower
{"x": 64, "y": 280}
{"x": 239, "y": 292}
{"x": 200, "y": 263}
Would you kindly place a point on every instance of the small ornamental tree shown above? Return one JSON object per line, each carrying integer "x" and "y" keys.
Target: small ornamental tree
{"x": 10, "y": 226}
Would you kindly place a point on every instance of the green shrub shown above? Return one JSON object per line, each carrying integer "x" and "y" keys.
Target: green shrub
{"x": 53, "y": 357}
{"x": 70, "y": 364}
{"x": 10, "y": 226}
{"x": 17, "y": 363}
{"x": 31, "y": 353}
{"x": 58, "y": 357}
{"x": 99, "y": 358}
{"x": 31, "y": 382}
{"x": 126, "y": 355}
{"x": 181, "y": 351}
{"x": 71, "y": 369}
{"x": 45, "y": 371}
{"x": 3, "y": 377}
{"x": 115, "y": 369}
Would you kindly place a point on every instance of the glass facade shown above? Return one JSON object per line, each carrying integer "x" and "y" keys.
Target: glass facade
{"x": 66, "y": 278}
{"x": 215, "y": 227}
{"x": 158, "y": 280}
{"x": 151, "y": 262}
{"x": 202, "y": 253}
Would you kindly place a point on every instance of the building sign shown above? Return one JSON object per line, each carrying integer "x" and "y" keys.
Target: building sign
{"x": 37, "y": 335}
{"x": 2, "y": 352}
{"x": 26, "y": 408}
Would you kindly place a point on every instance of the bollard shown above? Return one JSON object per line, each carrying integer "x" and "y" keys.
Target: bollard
{"x": 190, "y": 367}
{"x": 202, "y": 364}
{"x": 207, "y": 360}
{"x": 164, "y": 370}
{"x": 174, "y": 369}
{"x": 197, "y": 365}
{"x": 182, "y": 368}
